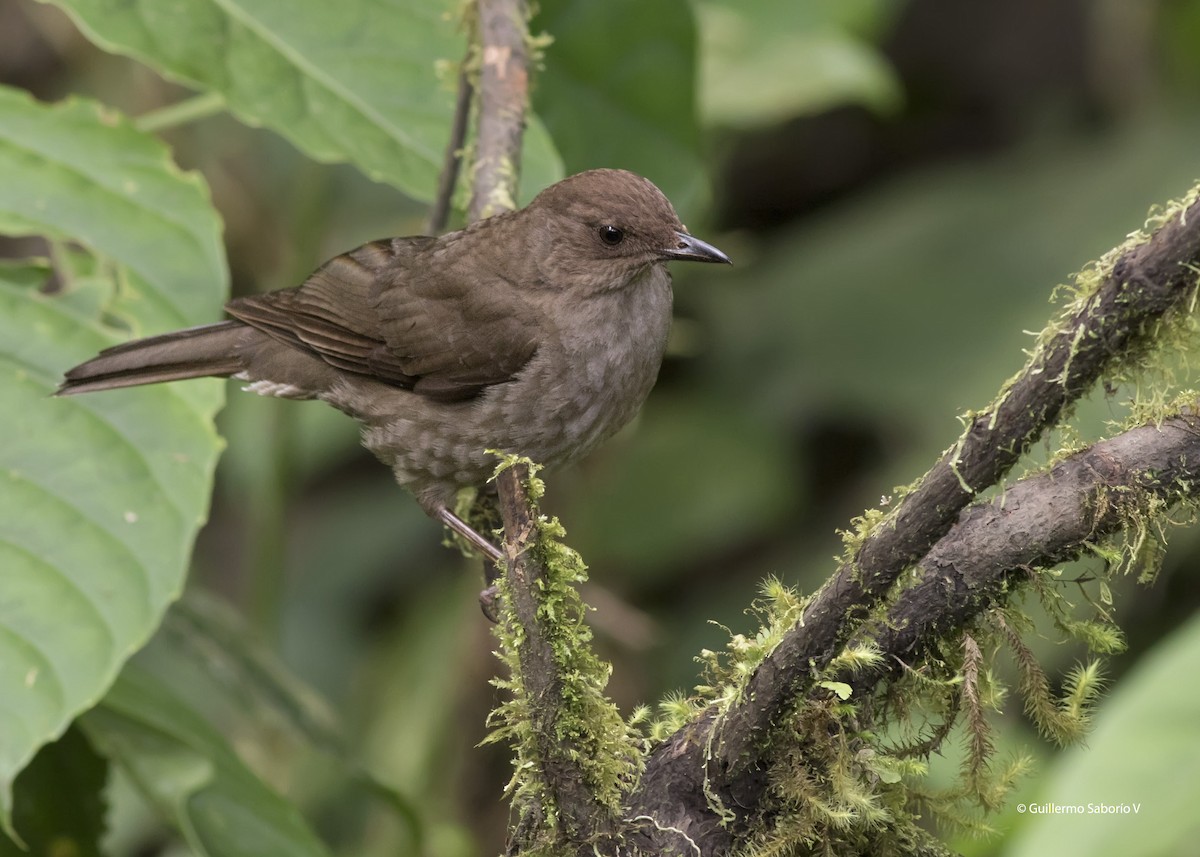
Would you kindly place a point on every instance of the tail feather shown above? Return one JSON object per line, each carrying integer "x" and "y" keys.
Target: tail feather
{"x": 197, "y": 352}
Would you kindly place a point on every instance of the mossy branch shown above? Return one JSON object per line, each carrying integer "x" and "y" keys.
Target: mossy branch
{"x": 711, "y": 779}
{"x": 576, "y": 758}
{"x": 1112, "y": 321}
{"x": 1038, "y": 522}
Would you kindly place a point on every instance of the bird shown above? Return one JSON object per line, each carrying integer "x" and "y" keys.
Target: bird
{"x": 538, "y": 332}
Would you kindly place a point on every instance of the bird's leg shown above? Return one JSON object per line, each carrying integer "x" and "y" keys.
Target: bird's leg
{"x": 468, "y": 532}
{"x": 492, "y": 562}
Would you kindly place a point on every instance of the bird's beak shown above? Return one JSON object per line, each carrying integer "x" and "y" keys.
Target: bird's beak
{"x": 693, "y": 249}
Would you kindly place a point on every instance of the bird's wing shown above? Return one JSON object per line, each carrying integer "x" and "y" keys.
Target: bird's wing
{"x": 366, "y": 312}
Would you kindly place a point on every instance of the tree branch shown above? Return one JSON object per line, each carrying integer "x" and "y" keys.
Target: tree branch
{"x": 707, "y": 779}
{"x": 503, "y": 97}
{"x": 569, "y": 798}
{"x": 1038, "y": 522}
{"x": 1116, "y": 321}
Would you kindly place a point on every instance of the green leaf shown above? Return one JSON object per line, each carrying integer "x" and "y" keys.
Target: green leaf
{"x": 208, "y": 656}
{"x": 840, "y": 688}
{"x": 77, "y": 170}
{"x": 356, "y": 80}
{"x": 769, "y": 60}
{"x": 1133, "y": 779}
{"x": 59, "y": 801}
{"x": 190, "y": 773}
{"x": 100, "y": 496}
{"x": 618, "y": 91}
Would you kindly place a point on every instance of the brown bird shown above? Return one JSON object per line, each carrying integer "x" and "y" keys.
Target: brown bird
{"x": 538, "y": 331}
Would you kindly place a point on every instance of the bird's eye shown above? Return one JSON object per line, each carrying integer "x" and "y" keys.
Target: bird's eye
{"x": 611, "y": 235}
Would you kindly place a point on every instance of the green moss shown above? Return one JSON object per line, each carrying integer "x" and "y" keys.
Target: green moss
{"x": 588, "y": 730}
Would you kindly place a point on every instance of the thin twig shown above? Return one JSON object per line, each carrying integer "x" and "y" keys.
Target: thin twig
{"x": 448, "y": 178}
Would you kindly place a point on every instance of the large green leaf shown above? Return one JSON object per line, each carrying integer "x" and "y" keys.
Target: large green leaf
{"x": 354, "y": 81}
{"x": 769, "y": 60}
{"x": 100, "y": 496}
{"x": 188, "y": 770}
{"x": 618, "y": 91}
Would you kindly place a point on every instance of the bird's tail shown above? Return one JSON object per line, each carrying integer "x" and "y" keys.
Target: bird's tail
{"x": 211, "y": 349}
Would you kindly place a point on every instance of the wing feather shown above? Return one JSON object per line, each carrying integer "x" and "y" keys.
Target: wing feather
{"x": 382, "y": 312}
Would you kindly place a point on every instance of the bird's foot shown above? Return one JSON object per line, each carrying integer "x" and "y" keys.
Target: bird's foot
{"x": 489, "y": 603}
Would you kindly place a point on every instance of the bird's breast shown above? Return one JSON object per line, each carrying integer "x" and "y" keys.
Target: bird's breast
{"x": 592, "y": 373}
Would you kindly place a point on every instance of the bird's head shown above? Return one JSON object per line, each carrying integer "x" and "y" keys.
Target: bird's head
{"x": 600, "y": 229}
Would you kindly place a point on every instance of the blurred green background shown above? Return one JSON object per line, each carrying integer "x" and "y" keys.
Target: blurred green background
{"x": 900, "y": 185}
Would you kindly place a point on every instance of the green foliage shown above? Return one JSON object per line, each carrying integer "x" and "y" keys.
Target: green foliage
{"x": 207, "y": 658}
{"x": 353, "y": 82}
{"x": 1132, "y": 770}
{"x": 778, "y": 608}
{"x": 617, "y": 88}
{"x": 102, "y": 496}
{"x": 192, "y": 775}
{"x": 80, "y": 171}
{"x": 770, "y": 60}
{"x": 60, "y": 804}
{"x": 672, "y": 713}
{"x": 1064, "y": 721}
